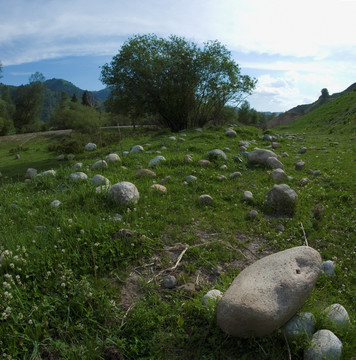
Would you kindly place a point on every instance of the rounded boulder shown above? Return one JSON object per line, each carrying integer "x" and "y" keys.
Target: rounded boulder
{"x": 265, "y": 295}
{"x": 124, "y": 193}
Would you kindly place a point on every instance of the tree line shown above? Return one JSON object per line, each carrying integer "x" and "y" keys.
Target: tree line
{"x": 172, "y": 82}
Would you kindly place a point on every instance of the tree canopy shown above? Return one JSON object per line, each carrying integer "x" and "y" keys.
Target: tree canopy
{"x": 184, "y": 84}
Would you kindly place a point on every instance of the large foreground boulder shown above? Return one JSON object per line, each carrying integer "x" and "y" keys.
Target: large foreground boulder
{"x": 265, "y": 295}
{"x": 124, "y": 193}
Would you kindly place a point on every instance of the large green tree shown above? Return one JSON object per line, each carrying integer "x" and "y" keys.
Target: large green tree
{"x": 28, "y": 101}
{"x": 184, "y": 84}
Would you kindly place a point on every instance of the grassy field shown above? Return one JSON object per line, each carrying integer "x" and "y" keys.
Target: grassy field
{"x": 74, "y": 288}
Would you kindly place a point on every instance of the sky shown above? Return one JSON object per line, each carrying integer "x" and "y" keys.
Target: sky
{"x": 293, "y": 48}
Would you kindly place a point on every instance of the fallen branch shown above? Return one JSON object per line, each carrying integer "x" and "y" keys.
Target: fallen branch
{"x": 286, "y": 340}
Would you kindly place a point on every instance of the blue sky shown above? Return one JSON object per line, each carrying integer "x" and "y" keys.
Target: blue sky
{"x": 293, "y": 48}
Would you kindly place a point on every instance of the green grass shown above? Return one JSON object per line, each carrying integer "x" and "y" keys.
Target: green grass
{"x": 77, "y": 292}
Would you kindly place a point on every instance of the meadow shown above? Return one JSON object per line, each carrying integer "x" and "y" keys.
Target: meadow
{"x": 75, "y": 287}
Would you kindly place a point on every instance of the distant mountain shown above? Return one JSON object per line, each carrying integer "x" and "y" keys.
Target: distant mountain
{"x": 295, "y": 113}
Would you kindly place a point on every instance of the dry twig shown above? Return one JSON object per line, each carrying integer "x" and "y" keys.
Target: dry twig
{"x": 305, "y": 237}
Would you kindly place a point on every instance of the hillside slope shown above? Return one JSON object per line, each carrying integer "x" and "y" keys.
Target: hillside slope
{"x": 337, "y": 116}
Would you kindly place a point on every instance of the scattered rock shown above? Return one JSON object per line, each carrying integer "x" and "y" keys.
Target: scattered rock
{"x": 267, "y": 137}
{"x": 280, "y": 227}
{"x": 181, "y": 139}
{"x": 102, "y": 189}
{"x": 304, "y": 181}
{"x": 216, "y": 154}
{"x": 124, "y": 193}
{"x": 265, "y": 295}
{"x": 302, "y": 324}
{"x": 145, "y": 173}
{"x": 61, "y": 157}
{"x": 47, "y": 173}
{"x": 204, "y": 163}
{"x": 70, "y": 157}
{"x": 252, "y": 214}
{"x": 100, "y": 164}
{"x": 90, "y": 147}
{"x": 299, "y": 165}
{"x": 285, "y": 154}
{"x": 276, "y": 145}
{"x": 222, "y": 177}
{"x": 30, "y": 173}
{"x": 169, "y": 282}
{"x": 235, "y": 175}
{"x": 17, "y": 156}
{"x": 159, "y": 188}
{"x": 211, "y": 297}
{"x": 302, "y": 150}
{"x": 136, "y": 149}
{"x": 191, "y": 178}
{"x": 55, "y": 203}
{"x": 338, "y": 315}
{"x": 223, "y": 167}
{"x": 278, "y": 175}
{"x": 316, "y": 172}
{"x": 274, "y": 163}
{"x": 187, "y": 159}
{"x": 112, "y": 158}
{"x": 206, "y": 200}
{"x": 78, "y": 176}
{"x": 324, "y": 345}
{"x": 248, "y": 196}
{"x": 189, "y": 288}
{"x": 172, "y": 138}
{"x": 328, "y": 268}
{"x": 230, "y": 133}
{"x": 98, "y": 180}
{"x": 156, "y": 161}
{"x": 260, "y": 156}
{"x": 77, "y": 166}
{"x": 282, "y": 199}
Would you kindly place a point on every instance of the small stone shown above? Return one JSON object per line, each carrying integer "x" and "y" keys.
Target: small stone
{"x": 285, "y": 154}
{"x": 169, "y": 282}
{"x": 112, "y": 158}
{"x": 211, "y": 297}
{"x": 280, "y": 227}
{"x": 102, "y": 189}
{"x": 117, "y": 218}
{"x": 252, "y": 214}
{"x": 338, "y": 315}
{"x": 324, "y": 345}
{"x": 17, "y": 157}
{"x": 100, "y": 164}
{"x": 300, "y": 325}
{"x": 274, "y": 163}
{"x": 99, "y": 180}
{"x": 282, "y": 199}
{"x": 235, "y": 175}
{"x": 223, "y": 167}
{"x": 204, "y": 163}
{"x": 47, "y": 173}
{"x": 248, "y": 196}
{"x": 61, "y": 157}
{"x": 172, "y": 138}
{"x": 328, "y": 268}
{"x": 145, "y": 173}
{"x": 276, "y": 145}
{"x": 302, "y": 150}
{"x": 156, "y": 161}
{"x": 136, "y": 149}
{"x": 30, "y": 173}
{"x": 206, "y": 200}
{"x": 90, "y": 147}
{"x": 216, "y": 154}
{"x": 78, "y": 176}
{"x": 316, "y": 172}
{"x": 278, "y": 175}
{"x": 299, "y": 165}
{"x": 77, "y": 166}
{"x": 55, "y": 203}
{"x": 230, "y": 133}
{"x": 189, "y": 288}
{"x": 70, "y": 157}
{"x": 181, "y": 139}
{"x": 159, "y": 188}
{"x": 187, "y": 159}
{"x": 222, "y": 177}
{"x": 191, "y": 178}
{"x": 304, "y": 181}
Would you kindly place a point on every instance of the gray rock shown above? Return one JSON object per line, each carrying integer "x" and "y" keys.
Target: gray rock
{"x": 304, "y": 181}
{"x": 147, "y": 173}
{"x": 285, "y": 154}
{"x": 166, "y": 179}
{"x": 17, "y": 157}
{"x": 325, "y": 345}
{"x": 77, "y": 166}
{"x": 47, "y": 173}
{"x": 282, "y": 199}
{"x": 300, "y": 325}
{"x": 235, "y": 175}
{"x": 112, "y": 158}
{"x": 316, "y": 172}
{"x": 191, "y": 178}
{"x": 156, "y": 161}
{"x": 158, "y": 188}
{"x": 276, "y": 145}
{"x": 267, "y": 137}
{"x": 252, "y": 214}
{"x": 216, "y": 154}
{"x": 299, "y": 165}
{"x": 206, "y": 200}
{"x": 338, "y": 315}
{"x": 169, "y": 282}
{"x": 61, "y": 157}
{"x": 90, "y": 147}
{"x": 204, "y": 163}
{"x": 230, "y": 133}
{"x": 278, "y": 175}
{"x": 100, "y": 164}
{"x": 102, "y": 189}
{"x": 187, "y": 159}
{"x": 223, "y": 167}
{"x": 98, "y": 180}
{"x": 248, "y": 196}
{"x": 30, "y": 173}
{"x": 172, "y": 138}
{"x": 136, "y": 149}
{"x": 260, "y": 156}
{"x": 274, "y": 163}
{"x": 265, "y": 295}
{"x": 78, "y": 176}
{"x": 181, "y": 139}
{"x": 302, "y": 150}
{"x": 328, "y": 268}
{"x": 124, "y": 193}
{"x": 55, "y": 203}
{"x": 70, "y": 157}
{"x": 211, "y": 297}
